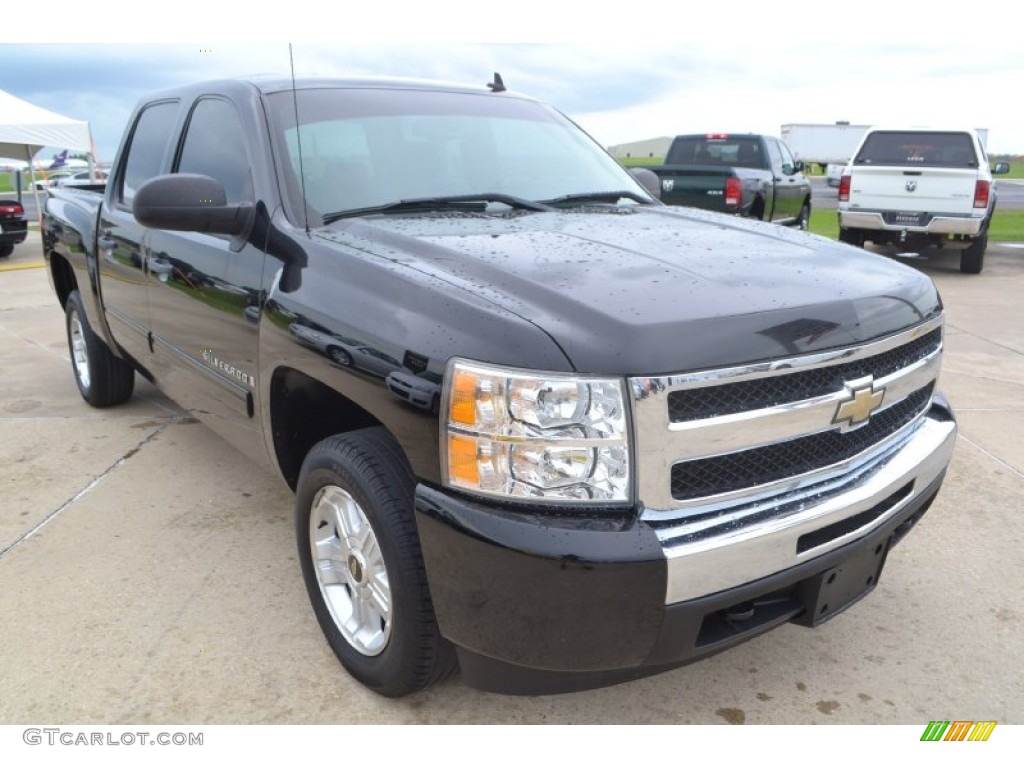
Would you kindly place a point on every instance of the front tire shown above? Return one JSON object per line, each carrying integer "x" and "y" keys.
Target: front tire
{"x": 6, "y": 250}
{"x": 102, "y": 378}
{"x": 340, "y": 356}
{"x": 362, "y": 564}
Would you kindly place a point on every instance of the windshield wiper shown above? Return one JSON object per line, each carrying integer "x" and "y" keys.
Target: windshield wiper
{"x": 611, "y": 196}
{"x": 468, "y": 203}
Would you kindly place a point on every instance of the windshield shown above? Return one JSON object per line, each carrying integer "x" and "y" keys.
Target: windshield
{"x": 366, "y": 147}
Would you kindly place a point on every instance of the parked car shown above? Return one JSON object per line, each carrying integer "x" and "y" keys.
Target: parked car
{"x": 834, "y": 173}
{"x": 13, "y": 227}
{"x": 83, "y": 179}
{"x": 46, "y": 180}
{"x": 346, "y": 352}
{"x": 745, "y": 174}
{"x": 920, "y": 188}
{"x": 420, "y": 389}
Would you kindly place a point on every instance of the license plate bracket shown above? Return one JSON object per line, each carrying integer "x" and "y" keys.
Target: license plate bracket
{"x": 833, "y": 591}
{"x": 908, "y": 218}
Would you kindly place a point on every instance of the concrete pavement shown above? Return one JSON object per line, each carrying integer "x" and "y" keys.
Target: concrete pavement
{"x": 148, "y": 571}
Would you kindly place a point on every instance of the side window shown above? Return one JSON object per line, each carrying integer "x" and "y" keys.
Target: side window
{"x": 148, "y": 147}
{"x": 214, "y": 147}
{"x": 774, "y": 154}
{"x": 787, "y": 158}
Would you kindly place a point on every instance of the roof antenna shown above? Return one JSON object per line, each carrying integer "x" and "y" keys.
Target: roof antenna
{"x": 298, "y": 136}
{"x": 497, "y": 86}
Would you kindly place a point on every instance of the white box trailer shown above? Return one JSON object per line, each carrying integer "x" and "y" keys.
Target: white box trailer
{"x": 823, "y": 143}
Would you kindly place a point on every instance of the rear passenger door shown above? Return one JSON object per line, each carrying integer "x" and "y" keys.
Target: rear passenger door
{"x": 205, "y": 289}
{"x": 120, "y": 239}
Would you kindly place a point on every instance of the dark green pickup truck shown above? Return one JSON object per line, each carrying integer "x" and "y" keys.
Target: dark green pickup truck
{"x": 745, "y": 174}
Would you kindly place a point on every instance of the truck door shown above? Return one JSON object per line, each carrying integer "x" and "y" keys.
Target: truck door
{"x": 205, "y": 289}
{"x": 775, "y": 210}
{"x": 790, "y": 185}
{"x": 120, "y": 238}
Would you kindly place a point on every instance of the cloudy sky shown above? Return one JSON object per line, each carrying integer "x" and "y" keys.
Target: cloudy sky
{"x": 625, "y": 73}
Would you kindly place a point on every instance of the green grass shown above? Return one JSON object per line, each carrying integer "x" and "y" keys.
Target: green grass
{"x": 637, "y": 162}
{"x": 1007, "y": 226}
{"x": 824, "y": 222}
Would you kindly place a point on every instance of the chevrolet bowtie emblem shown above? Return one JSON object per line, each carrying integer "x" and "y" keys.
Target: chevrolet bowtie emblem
{"x": 863, "y": 400}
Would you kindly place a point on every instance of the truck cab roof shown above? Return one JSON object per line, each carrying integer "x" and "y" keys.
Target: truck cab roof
{"x": 269, "y": 83}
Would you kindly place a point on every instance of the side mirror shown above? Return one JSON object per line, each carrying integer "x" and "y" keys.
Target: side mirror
{"x": 799, "y": 166}
{"x": 1000, "y": 168}
{"x": 648, "y": 180}
{"x": 189, "y": 202}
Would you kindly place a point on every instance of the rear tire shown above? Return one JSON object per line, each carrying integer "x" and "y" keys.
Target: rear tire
{"x": 851, "y": 236}
{"x": 102, "y": 378}
{"x": 803, "y": 221}
{"x": 6, "y": 250}
{"x": 972, "y": 258}
{"x": 362, "y": 563}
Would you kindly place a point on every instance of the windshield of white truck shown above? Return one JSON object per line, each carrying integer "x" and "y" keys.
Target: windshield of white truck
{"x": 365, "y": 148}
{"x": 918, "y": 149}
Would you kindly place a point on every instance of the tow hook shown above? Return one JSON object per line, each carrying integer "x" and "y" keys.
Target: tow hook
{"x": 741, "y": 612}
{"x": 903, "y": 236}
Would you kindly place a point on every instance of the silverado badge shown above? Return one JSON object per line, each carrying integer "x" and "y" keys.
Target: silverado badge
{"x": 862, "y": 400}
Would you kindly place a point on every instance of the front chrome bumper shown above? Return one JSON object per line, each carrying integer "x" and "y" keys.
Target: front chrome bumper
{"x": 707, "y": 565}
{"x": 769, "y": 474}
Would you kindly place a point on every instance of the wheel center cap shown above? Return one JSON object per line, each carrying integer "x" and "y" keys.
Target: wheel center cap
{"x": 355, "y": 567}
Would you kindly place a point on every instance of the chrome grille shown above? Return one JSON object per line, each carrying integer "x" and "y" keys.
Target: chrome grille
{"x": 724, "y": 439}
{"x": 708, "y": 402}
{"x": 770, "y": 463}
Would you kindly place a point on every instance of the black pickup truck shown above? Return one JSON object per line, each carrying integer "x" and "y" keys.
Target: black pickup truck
{"x": 539, "y": 426}
{"x": 740, "y": 173}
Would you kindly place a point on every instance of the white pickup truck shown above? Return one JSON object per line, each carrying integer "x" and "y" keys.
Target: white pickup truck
{"x": 917, "y": 188}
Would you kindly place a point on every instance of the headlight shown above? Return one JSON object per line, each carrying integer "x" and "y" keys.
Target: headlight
{"x": 537, "y": 436}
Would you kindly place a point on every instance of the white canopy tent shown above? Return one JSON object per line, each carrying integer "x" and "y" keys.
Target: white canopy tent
{"x": 26, "y": 128}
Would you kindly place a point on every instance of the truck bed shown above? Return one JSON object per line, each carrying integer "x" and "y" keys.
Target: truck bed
{"x": 700, "y": 186}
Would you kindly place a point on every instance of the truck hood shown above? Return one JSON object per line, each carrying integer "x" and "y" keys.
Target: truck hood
{"x": 655, "y": 290}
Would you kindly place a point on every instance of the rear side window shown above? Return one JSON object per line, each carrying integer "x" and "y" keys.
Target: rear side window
{"x": 214, "y": 147}
{"x": 148, "y": 147}
{"x": 918, "y": 149}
